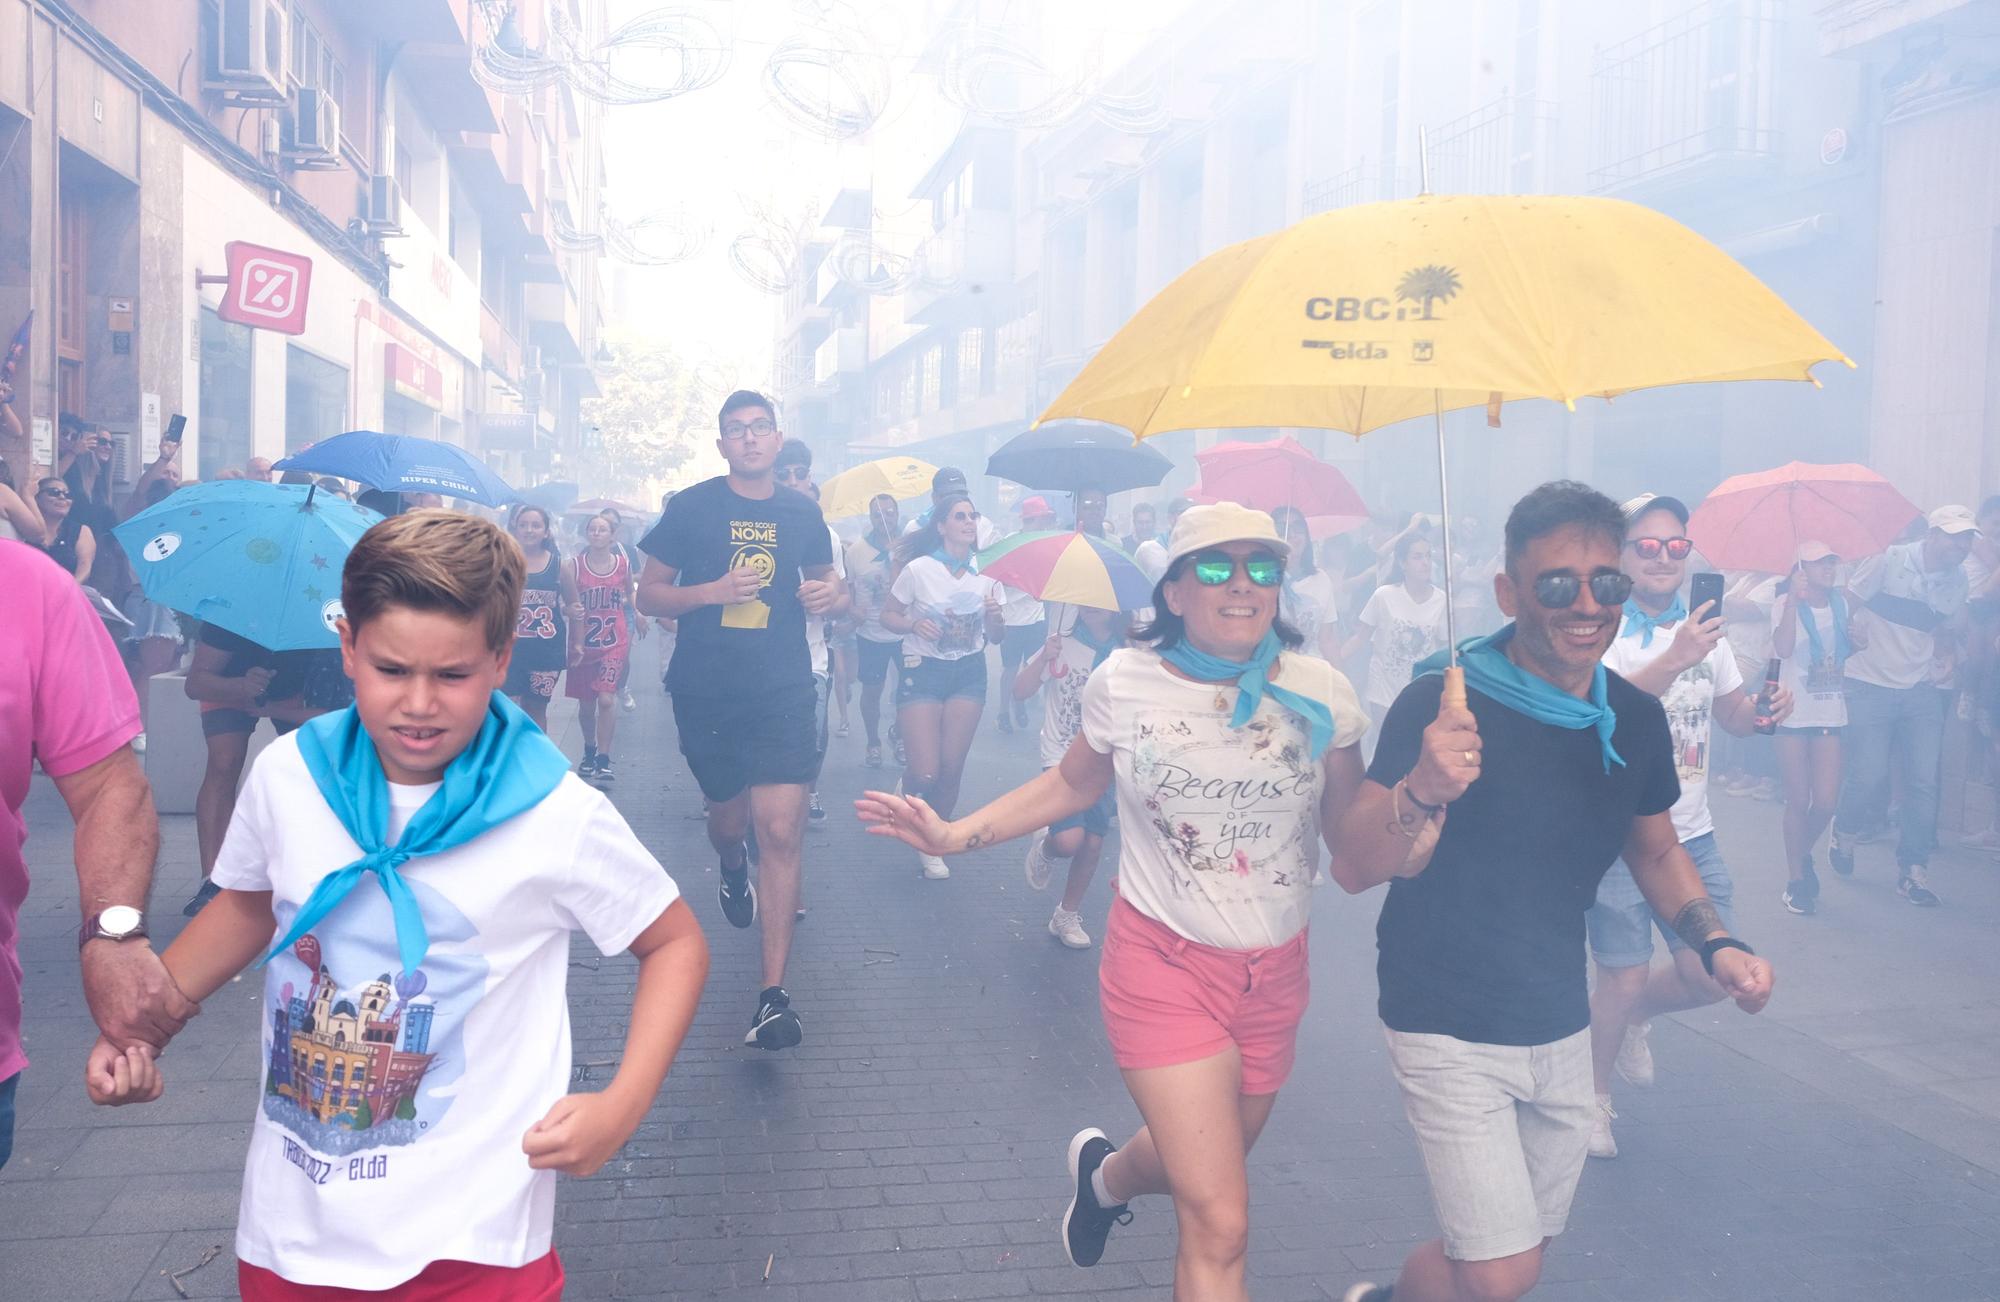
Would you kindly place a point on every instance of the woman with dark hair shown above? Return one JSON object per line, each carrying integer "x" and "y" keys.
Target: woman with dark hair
{"x": 1231, "y": 756}
{"x": 1310, "y": 601}
{"x": 70, "y": 542}
{"x": 947, "y": 614}
{"x": 1402, "y": 623}
{"x": 19, "y": 519}
{"x": 1810, "y": 640}
{"x": 549, "y": 600}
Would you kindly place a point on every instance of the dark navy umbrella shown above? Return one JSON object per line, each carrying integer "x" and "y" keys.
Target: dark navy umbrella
{"x": 1068, "y": 455}
{"x": 400, "y": 463}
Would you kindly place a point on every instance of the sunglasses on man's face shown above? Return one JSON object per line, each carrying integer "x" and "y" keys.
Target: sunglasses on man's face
{"x": 790, "y": 473}
{"x": 1559, "y": 591}
{"x": 1649, "y": 549}
{"x": 56, "y": 494}
{"x": 1213, "y": 569}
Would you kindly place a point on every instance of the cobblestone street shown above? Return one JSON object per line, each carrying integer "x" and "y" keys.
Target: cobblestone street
{"x": 1846, "y": 1145}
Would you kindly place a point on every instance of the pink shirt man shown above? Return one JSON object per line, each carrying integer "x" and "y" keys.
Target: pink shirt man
{"x": 65, "y": 702}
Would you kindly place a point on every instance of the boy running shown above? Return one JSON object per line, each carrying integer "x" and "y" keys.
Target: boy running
{"x": 424, "y": 856}
{"x": 742, "y": 566}
{"x": 600, "y": 643}
{"x": 1065, "y": 663}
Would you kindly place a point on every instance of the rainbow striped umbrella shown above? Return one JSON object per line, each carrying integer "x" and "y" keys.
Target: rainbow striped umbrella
{"x": 1068, "y": 567}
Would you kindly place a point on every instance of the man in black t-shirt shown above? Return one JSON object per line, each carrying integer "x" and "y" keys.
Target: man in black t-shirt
{"x": 741, "y": 564}
{"x": 1493, "y": 822}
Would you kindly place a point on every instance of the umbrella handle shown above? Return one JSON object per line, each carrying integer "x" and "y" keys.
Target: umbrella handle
{"x": 1454, "y": 687}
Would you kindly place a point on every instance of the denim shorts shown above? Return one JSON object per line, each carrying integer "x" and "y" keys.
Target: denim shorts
{"x": 931, "y": 679}
{"x": 1503, "y": 1129}
{"x": 1094, "y": 818}
{"x": 1622, "y": 923}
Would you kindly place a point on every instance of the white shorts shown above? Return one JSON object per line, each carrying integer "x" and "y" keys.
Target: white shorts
{"x": 1504, "y": 1130}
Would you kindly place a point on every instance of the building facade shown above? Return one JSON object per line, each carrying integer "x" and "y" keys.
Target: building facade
{"x": 137, "y": 141}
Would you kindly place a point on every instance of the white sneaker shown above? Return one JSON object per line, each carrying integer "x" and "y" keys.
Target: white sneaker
{"x": 139, "y": 744}
{"x": 1635, "y": 1055}
{"x": 1066, "y": 925}
{"x": 1037, "y": 864}
{"x": 935, "y": 869}
{"x": 1601, "y": 1142}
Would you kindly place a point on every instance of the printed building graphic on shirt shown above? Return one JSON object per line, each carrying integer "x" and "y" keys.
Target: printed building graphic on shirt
{"x": 349, "y": 1060}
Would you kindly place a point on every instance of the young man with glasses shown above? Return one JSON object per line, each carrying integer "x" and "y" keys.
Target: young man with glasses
{"x": 1681, "y": 657}
{"x": 742, "y": 564}
{"x": 1493, "y": 823}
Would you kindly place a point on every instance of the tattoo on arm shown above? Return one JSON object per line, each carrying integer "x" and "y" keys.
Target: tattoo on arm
{"x": 976, "y": 839}
{"x": 1697, "y": 921}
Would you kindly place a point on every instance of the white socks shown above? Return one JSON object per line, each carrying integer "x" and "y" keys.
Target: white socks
{"x": 1104, "y": 1198}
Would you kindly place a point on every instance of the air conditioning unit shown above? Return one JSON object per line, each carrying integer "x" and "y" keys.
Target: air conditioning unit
{"x": 315, "y": 126}
{"x": 249, "y": 51}
{"x": 385, "y": 205}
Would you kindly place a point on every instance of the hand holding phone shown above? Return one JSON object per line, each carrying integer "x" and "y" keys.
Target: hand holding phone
{"x": 1705, "y": 590}
{"x": 170, "y": 437}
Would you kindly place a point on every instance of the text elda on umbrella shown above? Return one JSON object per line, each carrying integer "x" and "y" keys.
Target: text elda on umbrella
{"x": 1350, "y": 350}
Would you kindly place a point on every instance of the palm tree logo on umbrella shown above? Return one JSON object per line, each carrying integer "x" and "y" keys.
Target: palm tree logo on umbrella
{"x": 1427, "y": 285}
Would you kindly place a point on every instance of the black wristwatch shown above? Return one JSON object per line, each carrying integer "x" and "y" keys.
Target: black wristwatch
{"x": 1709, "y": 949}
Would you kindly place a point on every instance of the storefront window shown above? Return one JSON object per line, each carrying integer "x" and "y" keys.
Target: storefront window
{"x": 315, "y": 398}
{"x": 225, "y": 395}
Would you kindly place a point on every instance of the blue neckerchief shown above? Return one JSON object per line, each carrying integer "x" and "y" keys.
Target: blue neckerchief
{"x": 1841, "y": 648}
{"x": 510, "y": 767}
{"x": 1081, "y": 632}
{"x": 1252, "y": 682}
{"x": 1640, "y": 621}
{"x": 1492, "y": 674}
{"x": 955, "y": 568}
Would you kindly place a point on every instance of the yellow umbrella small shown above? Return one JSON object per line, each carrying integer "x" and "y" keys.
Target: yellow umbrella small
{"x": 1366, "y": 316}
{"x": 849, "y": 492}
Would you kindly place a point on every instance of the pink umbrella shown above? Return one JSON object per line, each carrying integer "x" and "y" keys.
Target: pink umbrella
{"x": 1757, "y": 521}
{"x": 1278, "y": 473}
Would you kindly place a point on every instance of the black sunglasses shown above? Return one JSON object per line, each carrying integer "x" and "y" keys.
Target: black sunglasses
{"x": 793, "y": 472}
{"x": 1559, "y": 591}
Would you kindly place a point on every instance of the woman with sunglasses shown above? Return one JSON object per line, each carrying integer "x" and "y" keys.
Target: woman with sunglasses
{"x": 65, "y": 537}
{"x": 947, "y": 613}
{"x": 1403, "y": 622}
{"x": 1231, "y": 755}
{"x": 1811, "y": 639}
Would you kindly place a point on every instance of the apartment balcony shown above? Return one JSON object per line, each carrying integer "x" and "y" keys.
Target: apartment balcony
{"x": 1859, "y": 29}
{"x": 555, "y": 322}
{"x": 1364, "y": 182}
{"x": 1502, "y": 147}
{"x": 967, "y": 266}
{"x": 403, "y": 22}
{"x": 1691, "y": 101}
{"x": 501, "y": 350}
{"x": 844, "y": 353}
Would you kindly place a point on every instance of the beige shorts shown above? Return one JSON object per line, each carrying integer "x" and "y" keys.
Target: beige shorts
{"x": 1504, "y": 1130}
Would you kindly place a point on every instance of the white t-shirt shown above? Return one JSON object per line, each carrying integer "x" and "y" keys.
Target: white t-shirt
{"x": 1819, "y": 699}
{"x": 815, "y": 625}
{"x": 1020, "y": 609}
{"x": 1405, "y": 631}
{"x": 869, "y": 568}
{"x": 1309, "y": 604}
{"x": 1063, "y": 682}
{"x": 362, "y": 1187}
{"x": 1900, "y": 649}
{"x": 956, "y": 601}
{"x": 1690, "y": 706}
{"x": 1220, "y": 824}
{"x": 1151, "y": 557}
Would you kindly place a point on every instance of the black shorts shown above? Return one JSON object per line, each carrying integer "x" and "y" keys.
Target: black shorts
{"x": 227, "y": 720}
{"x": 764, "y": 738}
{"x": 1022, "y": 641}
{"x": 527, "y": 680}
{"x": 943, "y": 680}
{"x": 876, "y": 658}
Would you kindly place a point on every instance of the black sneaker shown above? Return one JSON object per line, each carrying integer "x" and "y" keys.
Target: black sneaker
{"x": 1087, "y": 1223}
{"x": 199, "y": 900}
{"x": 603, "y": 771}
{"x": 1841, "y": 857}
{"x": 739, "y": 896}
{"x": 1913, "y": 883}
{"x": 775, "y": 1026}
{"x": 587, "y": 766}
{"x": 1802, "y": 895}
{"x": 815, "y": 813}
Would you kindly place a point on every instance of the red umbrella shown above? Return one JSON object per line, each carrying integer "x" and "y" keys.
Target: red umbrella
{"x": 1756, "y": 522}
{"x": 1278, "y": 473}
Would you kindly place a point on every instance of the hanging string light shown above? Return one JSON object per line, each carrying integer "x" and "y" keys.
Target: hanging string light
{"x": 679, "y": 51}
{"x": 830, "y": 79}
{"x": 999, "y": 79}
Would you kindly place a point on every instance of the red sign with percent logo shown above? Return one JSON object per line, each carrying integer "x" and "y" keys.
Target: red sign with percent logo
{"x": 267, "y": 288}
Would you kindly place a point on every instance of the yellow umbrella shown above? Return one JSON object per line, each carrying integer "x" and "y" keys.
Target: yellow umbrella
{"x": 1365, "y": 316}
{"x": 850, "y": 491}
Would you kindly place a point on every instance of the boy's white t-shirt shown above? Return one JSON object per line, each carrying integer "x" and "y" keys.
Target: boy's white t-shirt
{"x": 957, "y": 602}
{"x": 815, "y": 624}
{"x": 1063, "y": 681}
{"x": 1220, "y": 824}
{"x": 1405, "y": 631}
{"x": 388, "y": 1134}
{"x": 1690, "y": 705}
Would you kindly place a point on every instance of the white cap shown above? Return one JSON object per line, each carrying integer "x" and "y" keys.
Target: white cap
{"x": 1953, "y": 519}
{"x": 1202, "y": 527}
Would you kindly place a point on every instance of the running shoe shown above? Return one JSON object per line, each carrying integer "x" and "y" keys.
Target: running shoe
{"x": 1635, "y": 1055}
{"x": 935, "y": 869}
{"x": 841, "y": 731}
{"x": 874, "y": 758}
{"x": 603, "y": 771}
{"x": 630, "y": 706}
{"x": 587, "y": 766}
{"x": 1088, "y": 1223}
{"x": 896, "y": 740}
{"x": 1914, "y": 885}
{"x": 1365, "y": 1292}
{"x": 1021, "y": 716}
{"x": 815, "y": 812}
{"x": 1037, "y": 864}
{"x": 775, "y": 1025}
{"x": 1802, "y": 894}
{"x": 1601, "y": 1142}
{"x": 1066, "y": 925}
{"x": 739, "y": 895}
{"x": 1840, "y": 856}
{"x": 199, "y": 900}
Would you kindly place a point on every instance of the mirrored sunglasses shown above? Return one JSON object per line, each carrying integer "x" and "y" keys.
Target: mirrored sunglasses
{"x": 1213, "y": 569}
{"x": 1649, "y": 549}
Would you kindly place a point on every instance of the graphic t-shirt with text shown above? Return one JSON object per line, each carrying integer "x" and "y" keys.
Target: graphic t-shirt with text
{"x": 1404, "y": 631}
{"x": 1690, "y": 707}
{"x": 955, "y": 601}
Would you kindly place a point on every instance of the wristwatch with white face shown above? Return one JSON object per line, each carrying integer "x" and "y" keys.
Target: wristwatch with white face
{"x": 119, "y": 922}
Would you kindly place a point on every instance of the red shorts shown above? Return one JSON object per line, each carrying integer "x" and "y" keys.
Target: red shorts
{"x": 441, "y": 1281}
{"x": 597, "y": 674}
{"x": 1168, "y": 1000}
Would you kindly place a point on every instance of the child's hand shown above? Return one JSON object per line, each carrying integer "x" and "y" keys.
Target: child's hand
{"x": 580, "y": 1133}
{"x": 113, "y": 1078}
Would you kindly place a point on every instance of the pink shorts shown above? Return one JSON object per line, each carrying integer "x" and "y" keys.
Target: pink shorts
{"x": 1168, "y": 1000}
{"x": 540, "y": 1280}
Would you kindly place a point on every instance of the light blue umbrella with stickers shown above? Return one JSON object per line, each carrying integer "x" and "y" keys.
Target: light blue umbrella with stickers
{"x": 260, "y": 560}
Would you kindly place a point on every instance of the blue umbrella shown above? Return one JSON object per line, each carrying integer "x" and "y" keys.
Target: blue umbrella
{"x": 400, "y": 463}
{"x": 260, "y": 560}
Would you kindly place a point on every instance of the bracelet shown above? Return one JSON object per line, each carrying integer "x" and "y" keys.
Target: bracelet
{"x": 1432, "y": 810}
{"x": 1719, "y": 943}
{"x": 1406, "y": 825}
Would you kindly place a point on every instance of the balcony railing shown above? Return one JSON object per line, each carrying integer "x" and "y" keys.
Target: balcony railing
{"x": 1699, "y": 87}
{"x": 1499, "y": 148}
{"x": 1364, "y": 182}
